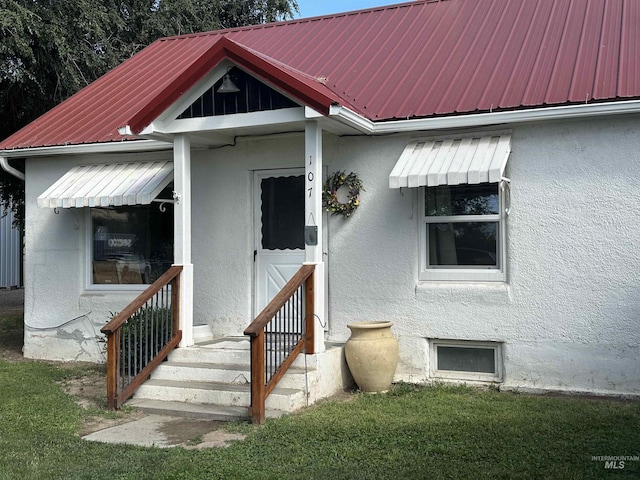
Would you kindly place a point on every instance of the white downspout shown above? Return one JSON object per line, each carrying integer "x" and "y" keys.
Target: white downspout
{"x": 4, "y": 163}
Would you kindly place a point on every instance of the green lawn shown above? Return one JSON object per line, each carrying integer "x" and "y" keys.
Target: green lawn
{"x": 11, "y": 333}
{"x": 436, "y": 432}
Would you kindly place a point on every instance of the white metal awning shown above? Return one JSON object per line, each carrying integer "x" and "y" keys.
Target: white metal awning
{"x": 453, "y": 161}
{"x": 104, "y": 185}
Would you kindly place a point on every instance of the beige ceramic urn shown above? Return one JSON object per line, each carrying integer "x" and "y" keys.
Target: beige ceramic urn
{"x": 372, "y": 355}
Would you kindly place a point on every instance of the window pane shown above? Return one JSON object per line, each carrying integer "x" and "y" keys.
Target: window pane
{"x": 461, "y": 359}
{"x": 131, "y": 245}
{"x": 282, "y": 212}
{"x": 462, "y": 200}
{"x": 471, "y": 244}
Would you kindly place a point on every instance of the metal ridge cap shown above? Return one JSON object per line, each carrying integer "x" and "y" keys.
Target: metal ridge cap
{"x": 295, "y": 21}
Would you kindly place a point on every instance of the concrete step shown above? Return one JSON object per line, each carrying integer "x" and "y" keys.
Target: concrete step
{"x": 222, "y": 351}
{"x": 240, "y": 343}
{"x": 212, "y": 380}
{"x": 237, "y": 374}
{"x": 226, "y": 343}
{"x": 205, "y": 354}
{"x": 190, "y": 410}
{"x": 203, "y": 372}
{"x": 196, "y": 410}
{"x": 282, "y": 399}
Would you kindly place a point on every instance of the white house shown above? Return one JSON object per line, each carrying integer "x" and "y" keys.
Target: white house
{"x": 497, "y": 143}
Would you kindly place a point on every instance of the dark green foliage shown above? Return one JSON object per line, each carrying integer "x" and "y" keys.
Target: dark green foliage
{"x": 50, "y": 49}
{"x": 12, "y": 196}
{"x": 146, "y": 333}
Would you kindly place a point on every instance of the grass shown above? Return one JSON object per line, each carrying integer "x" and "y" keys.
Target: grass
{"x": 11, "y": 333}
{"x": 410, "y": 433}
{"x": 431, "y": 432}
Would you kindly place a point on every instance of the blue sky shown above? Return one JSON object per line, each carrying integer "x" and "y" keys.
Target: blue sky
{"x": 312, "y": 8}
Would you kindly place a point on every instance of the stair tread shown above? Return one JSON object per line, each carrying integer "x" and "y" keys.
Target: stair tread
{"x": 233, "y": 387}
{"x": 238, "y": 342}
{"x": 190, "y": 410}
{"x": 213, "y": 366}
{"x": 225, "y": 366}
{"x": 197, "y": 410}
{"x": 189, "y": 407}
{"x": 234, "y": 343}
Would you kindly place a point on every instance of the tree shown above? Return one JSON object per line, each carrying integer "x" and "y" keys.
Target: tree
{"x": 50, "y": 49}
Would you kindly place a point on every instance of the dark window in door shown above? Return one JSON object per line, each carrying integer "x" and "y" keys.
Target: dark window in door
{"x": 282, "y": 213}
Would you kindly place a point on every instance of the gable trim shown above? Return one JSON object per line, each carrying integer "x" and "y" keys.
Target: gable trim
{"x": 306, "y": 90}
{"x": 225, "y": 122}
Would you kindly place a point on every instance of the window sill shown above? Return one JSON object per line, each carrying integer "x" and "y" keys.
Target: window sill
{"x": 485, "y": 292}
{"x": 463, "y": 380}
{"x": 463, "y": 275}
{"x": 114, "y": 288}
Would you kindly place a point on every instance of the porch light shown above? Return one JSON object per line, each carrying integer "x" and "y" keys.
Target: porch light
{"x": 227, "y": 85}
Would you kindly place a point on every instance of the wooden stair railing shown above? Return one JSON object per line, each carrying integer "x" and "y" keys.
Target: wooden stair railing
{"x": 282, "y": 330}
{"x": 141, "y": 336}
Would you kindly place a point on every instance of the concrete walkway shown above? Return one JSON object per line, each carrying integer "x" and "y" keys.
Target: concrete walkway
{"x": 150, "y": 430}
{"x": 165, "y": 432}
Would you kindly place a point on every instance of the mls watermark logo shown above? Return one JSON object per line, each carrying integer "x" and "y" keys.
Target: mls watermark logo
{"x": 614, "y": 465}
{"x": 615, "y": 462}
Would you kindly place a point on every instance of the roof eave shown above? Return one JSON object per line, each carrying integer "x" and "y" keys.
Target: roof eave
{"x": 125, "y": 146}
{"x": 368, "y": 127}
{"x": 354, "y": 120}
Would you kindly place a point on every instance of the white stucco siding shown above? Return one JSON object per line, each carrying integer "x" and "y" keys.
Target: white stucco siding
{"x": 222, "y": 248}
{"x": 567, "y": 316}
{"x": 221, "y": 240}
{"x": 63, "y": 318}
{"x": 568, "y": 313}
{"x": 223, "y": 234}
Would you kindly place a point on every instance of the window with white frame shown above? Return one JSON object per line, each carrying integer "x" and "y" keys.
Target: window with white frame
{"x": 466, "y": 360}
{"x": 129, "y": 245}
{"x": 462, "y": 233}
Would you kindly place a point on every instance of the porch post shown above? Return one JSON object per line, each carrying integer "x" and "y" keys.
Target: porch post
{"x": 182, "y": 232}
{"x": 313, "y": 217}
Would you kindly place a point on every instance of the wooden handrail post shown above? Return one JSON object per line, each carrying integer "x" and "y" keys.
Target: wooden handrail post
{"x": 279, "y": 300}
{"x": 142, "y": 311}
{"x": 309, "y": 315}
{"x": 304, "y": 340}
{"x": 175, "y": 305}
{"x": 258, "y": 393}
{"x": 112, "y": 371}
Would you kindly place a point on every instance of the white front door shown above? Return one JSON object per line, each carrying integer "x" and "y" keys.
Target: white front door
{"x": 279, "y": 231}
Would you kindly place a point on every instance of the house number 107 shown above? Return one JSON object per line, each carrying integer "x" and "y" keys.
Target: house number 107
{"x": 310, "y": 177}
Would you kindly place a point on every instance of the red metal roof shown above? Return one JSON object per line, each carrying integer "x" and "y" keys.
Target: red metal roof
{"x": 410, "y": 60}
